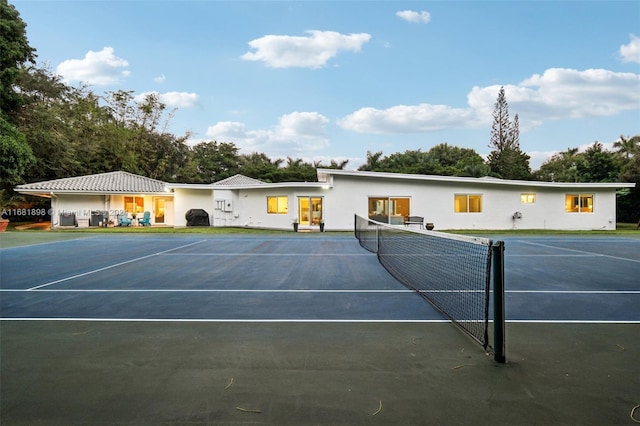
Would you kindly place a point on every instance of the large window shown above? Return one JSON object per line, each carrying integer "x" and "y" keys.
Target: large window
{"x": 278, "y": 204}
{"x": 134, "y": 204}
{"x": 579, "y": 203}
{"x": 467, "y": 203}
{"x": 389, "y": 209}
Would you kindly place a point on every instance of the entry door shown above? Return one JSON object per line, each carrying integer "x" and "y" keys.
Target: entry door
{"x": 309, "y": 210}
{"x": 159, "y": 210}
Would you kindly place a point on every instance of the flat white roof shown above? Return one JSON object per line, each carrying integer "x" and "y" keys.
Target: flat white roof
{"x": 324, "y": 175}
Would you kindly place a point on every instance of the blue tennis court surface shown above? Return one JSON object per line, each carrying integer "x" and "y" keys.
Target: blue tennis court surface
{"x": 298, "y": 278}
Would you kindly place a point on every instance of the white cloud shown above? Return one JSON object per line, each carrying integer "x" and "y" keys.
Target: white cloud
{"x": 160, "y": 79}
{"x": 631, "y": 52}
{"x": 313, "y": 51}
{"x": 180, "y": 99}
{"x": 99, "y": 68}
{"x": 407, "y": 119}
{"x": 422, "y": 17}
{"x": 295, "y": 134}
{"x": 173, "y": 99}
{"x": 556, "y": 94}
{"x": 561, "y": 93}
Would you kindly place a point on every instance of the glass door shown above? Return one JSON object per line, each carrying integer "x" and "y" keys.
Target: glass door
{"x": 309, "y": 210}
{"x": 158, "y": 210}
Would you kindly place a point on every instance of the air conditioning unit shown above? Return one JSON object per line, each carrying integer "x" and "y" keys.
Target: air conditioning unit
{"x": 68, "y": 219}
{"x": 228, "y": 206}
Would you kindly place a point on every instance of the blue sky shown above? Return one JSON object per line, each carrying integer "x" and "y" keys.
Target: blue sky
{"x": 322, "y": 80}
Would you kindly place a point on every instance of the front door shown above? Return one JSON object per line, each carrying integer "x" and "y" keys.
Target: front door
{"x": 161, "y": 211}
{"x": 309, "y": 210}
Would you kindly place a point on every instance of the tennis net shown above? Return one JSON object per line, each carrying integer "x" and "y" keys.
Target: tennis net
{"x": 452, "y": 272}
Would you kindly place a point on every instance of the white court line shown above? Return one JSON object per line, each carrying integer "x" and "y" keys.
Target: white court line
{"x": 584, "y": 252}
{"x": 311, "y": 321}
{"x": 290, "y": 320}
{"x": 571, "y": 322}
{"x": 165, "y": 290}
{"x": 553, "y": 255}
{"x": 112, "y": 266}
{"x": 269, "y": 254}
{"x": 206, "y": 291}
{"x": 576, "y": 291}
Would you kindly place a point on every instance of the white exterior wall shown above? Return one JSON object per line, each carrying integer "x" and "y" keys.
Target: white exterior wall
{"x": 249, "y": 206}
{"x": 548, "y": 211}
{"x": 80, "y": 205}
{"x": 186, "y": 199}
{"x": 434, "y": 200}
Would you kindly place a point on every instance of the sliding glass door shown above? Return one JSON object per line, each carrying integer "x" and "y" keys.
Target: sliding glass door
{"x": 310, "y": 210}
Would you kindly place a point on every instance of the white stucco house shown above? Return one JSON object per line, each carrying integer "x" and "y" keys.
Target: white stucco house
{"x": 239, "y": 201}
{"x": 73, "y": 200}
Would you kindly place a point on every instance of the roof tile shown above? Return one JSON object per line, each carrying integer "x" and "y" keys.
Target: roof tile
{"x": 238, "y": 180}
{"x": 111, "y": 182}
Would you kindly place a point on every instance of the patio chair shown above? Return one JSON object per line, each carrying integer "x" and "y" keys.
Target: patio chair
{"x": 123, "y": 220}
{"x": 145, "y": 220}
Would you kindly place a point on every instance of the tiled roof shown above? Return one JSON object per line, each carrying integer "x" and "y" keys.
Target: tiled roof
{"x": 112, "y": 182}
{"x": 238, "y": 180}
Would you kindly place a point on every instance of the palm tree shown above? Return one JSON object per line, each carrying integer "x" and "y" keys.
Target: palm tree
{"x": 373, "y": 161}
{"x": 627, "y": 147}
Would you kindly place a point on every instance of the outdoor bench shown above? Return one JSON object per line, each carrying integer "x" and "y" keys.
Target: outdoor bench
{"x": 414, "y": 220}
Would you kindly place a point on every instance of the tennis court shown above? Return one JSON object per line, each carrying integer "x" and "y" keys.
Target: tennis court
{"x": 307, "y": 329}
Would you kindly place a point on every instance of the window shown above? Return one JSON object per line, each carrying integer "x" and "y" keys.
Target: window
{"x": 134, "y": 204}
{"x": 278, "y": 205}
{"x": 579, "y": 203}
{"x": 389, "y": 209}
{"x": 467, "y": 203}
{"x": 527, "y": 198}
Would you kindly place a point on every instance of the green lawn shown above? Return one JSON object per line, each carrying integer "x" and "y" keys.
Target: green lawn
{"x": 16, "y": 235}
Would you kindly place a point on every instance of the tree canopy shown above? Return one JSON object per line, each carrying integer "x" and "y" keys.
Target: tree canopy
{"x": 16, "y": 52}
{"x": 442, "y": 159}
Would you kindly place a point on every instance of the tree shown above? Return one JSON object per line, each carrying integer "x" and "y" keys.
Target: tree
{"x": 296, "y": 170}
{"x": 628, "y": 152}
{"x": 506, "y": 159}
{"x": 373, "y": 162}
{"x": 45, "y": 120}
{"x": 629, "y": 199}
{"x": 259, "y": 166}
{"x": 627, "y": 147}
{"x": 561, "y": 167}
{"x": 501, "y": 131}
{"x": 15, "y": 155}
{"x": 456, "y": 161}
{"x": 215, "y": 161}
{"x": 441, "y": 159}
{"x": 165, "y": 157}
{"x": 598, "y": 165}
{"x": 15, "y": 52}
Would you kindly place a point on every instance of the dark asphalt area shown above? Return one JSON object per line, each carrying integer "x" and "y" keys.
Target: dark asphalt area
{"x": 141, "y": 373}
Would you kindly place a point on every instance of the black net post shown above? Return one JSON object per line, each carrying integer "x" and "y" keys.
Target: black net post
{"x": 498, "y": 302}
